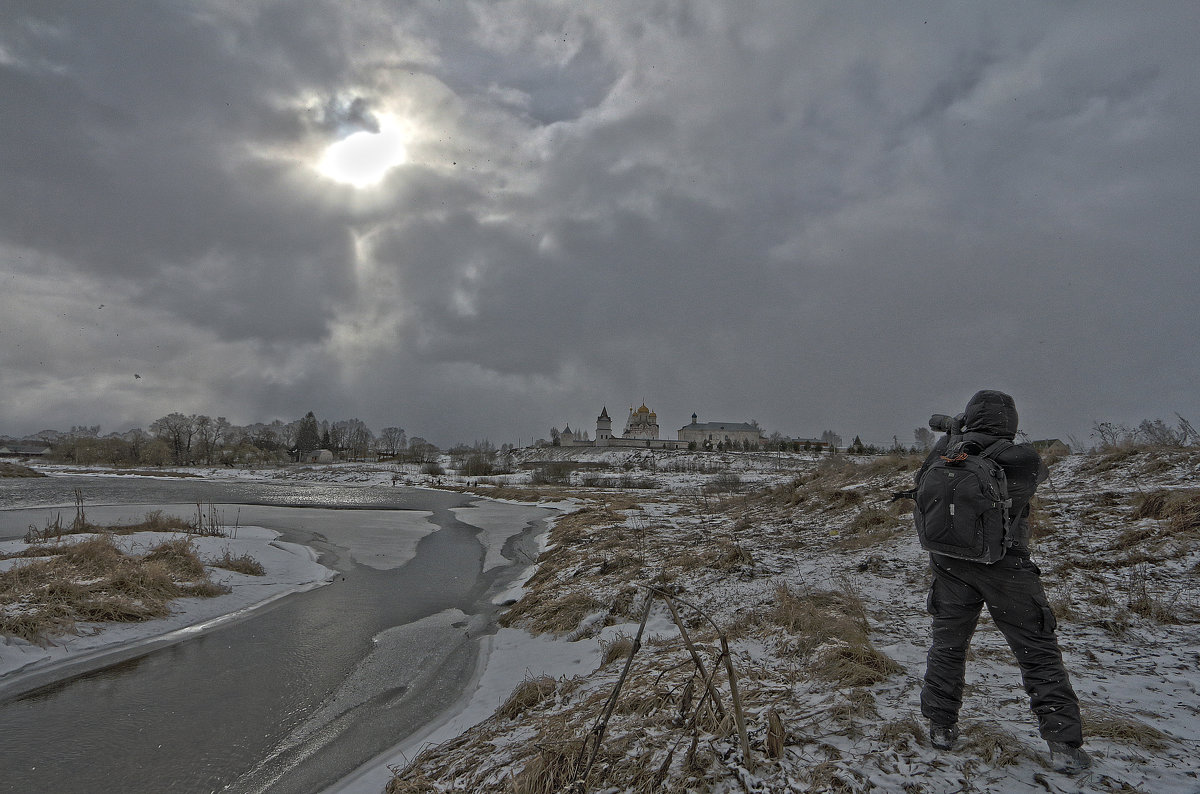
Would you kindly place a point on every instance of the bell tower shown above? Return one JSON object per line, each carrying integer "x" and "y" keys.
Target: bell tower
{"x": 603, "y": 428}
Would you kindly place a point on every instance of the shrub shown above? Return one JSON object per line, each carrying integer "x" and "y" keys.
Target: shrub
{"x": 558, "y": 473}
{"x": 243, "y": 564}
{"x": 726, "y": 481}
{"x": 477, "y": 465}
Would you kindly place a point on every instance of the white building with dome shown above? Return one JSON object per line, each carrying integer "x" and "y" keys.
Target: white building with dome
{"x": 641, "y": 430}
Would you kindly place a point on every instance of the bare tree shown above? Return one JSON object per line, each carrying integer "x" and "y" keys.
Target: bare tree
{"x": 204, "y": 437}
{"x": 356, "y": 437}
{"x": 392, "y": 440}
{"x": 177, "y": 430}
{"x": 1111, "y": 434}
{"x": 421, "y": 451}
{"x": 1158, "y": 433}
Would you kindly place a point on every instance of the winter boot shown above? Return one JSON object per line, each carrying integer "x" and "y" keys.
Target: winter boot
{"x": 1068, "y": 760}
{"x": 942, "y": 737}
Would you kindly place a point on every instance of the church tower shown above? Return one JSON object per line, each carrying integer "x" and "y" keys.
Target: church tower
{"x": 603, "y": 428}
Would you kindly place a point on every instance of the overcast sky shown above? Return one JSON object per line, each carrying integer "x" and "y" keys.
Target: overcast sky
{"x": 838, "y": 215}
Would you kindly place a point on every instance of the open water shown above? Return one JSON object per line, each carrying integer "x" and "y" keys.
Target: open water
{"x": 289, "y": 699}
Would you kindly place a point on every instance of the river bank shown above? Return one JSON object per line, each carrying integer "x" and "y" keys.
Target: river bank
{"x": 412, "y": 659}
{"x": 288, "y": 568}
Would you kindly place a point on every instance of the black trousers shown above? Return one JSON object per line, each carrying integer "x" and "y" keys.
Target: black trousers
{"x": 1012, "y": 590}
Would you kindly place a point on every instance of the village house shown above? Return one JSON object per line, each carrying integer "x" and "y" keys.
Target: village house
{"x": 13, "y": 449}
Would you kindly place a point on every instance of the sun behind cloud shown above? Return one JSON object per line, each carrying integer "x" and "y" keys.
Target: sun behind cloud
{"x": 363, "y": 158}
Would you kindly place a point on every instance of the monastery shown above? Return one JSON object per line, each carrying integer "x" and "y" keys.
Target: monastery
{"x": 641, "y": 430}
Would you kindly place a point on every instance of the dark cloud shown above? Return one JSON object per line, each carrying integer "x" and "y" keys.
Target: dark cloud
{"x": 819, "y": 216}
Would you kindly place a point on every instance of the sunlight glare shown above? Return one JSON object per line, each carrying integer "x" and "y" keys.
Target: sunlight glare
{"x": 363, "y": 158}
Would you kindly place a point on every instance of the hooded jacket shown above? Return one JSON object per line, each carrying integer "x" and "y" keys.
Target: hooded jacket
{"x": 991, "y": 416}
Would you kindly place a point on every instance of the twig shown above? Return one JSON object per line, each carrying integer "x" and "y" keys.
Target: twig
{"x": 597, "y": 735}
{"x": 695, "y": 655}
{"x": 738, "y": 716}
{"x": 737, "y": 705}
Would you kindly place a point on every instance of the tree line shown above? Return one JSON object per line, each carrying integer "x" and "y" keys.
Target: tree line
{"x": 197, "y": 439}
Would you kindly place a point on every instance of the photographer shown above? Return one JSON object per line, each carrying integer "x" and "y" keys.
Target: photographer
{"x": 1011, "y": 588}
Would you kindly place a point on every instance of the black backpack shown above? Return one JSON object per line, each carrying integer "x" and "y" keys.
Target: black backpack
{"x": 963, "y": 503}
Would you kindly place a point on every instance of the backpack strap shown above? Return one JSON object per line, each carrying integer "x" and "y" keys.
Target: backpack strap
{"x": 995, "y": 448}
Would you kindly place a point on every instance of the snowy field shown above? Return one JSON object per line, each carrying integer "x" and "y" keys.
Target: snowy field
{"x": 824, "y": 711}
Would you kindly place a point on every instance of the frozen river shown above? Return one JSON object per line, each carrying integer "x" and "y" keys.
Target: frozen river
{"x": 297, "y": 694}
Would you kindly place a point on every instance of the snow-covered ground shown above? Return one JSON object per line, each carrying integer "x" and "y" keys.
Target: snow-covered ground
{"x": 1123, "y": 588}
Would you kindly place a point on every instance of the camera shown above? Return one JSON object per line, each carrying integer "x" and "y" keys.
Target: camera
{"x": 946, "y": 423}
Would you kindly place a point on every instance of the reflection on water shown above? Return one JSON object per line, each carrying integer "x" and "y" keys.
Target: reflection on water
{"x": 240, "y": 707}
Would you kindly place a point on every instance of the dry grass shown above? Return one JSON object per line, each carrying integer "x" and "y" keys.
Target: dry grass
{"x": 549, "y": 771}
{"x": 995, "y": 745}
{"x": 829, "y": 629}
{"x": 870, "y": 526}
{"x": 1144, "y": 601}
{"x": 154, "y": 521}
{"x": 415, "y": 783}
{"x": 1104, "y": 722}
{"x": 853, "y": 664}
{"x": 556, "y": 616}
{"x": 1112, "y": 457}
{"x": 180, "y": 558}
{"x": 891, "y": 465}
{"x": 17, "y": 470}
{"x": 872, "y": 519}
{"x": 1180, "y": 509}
{"x": 900, "y": 733}
{"x": 818, "y": 616}
{"x": 616, "y": 648}
{"x": 527, "y": 695}
{"x": 242, "y": 564}
{"x": 92, "y": 580}
{"x": 731, "y": 555}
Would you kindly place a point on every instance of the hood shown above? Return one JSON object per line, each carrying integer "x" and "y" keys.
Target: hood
{"x": 993, "y": 413}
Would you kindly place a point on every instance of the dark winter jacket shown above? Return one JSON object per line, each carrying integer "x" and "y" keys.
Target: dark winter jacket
{"x": 991, "y": 416}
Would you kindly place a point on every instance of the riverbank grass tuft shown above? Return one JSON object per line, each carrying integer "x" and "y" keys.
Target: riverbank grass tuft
{"x": 89, "y": 579}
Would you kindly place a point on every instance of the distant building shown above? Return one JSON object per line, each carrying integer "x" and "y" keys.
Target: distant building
{"x": 641, "y": 430}
{"x": 318, "y": 456}
{"x": 642, "y": 423}
{"x": 12, "y": 449}
{"x": 707, "y": 435}
{"x": 1052, "y": 446}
